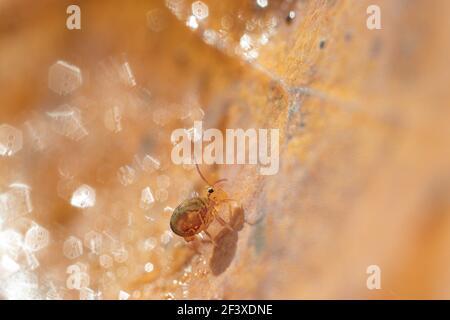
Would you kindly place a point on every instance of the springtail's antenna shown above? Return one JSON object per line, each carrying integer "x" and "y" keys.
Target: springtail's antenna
{"x": 200, "y": 173}
{"x": 203, "y": 177}
{"x": 219, "y": 181}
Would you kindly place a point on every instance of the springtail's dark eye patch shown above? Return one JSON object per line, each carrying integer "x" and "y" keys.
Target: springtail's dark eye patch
{"x": 210, "y": 190}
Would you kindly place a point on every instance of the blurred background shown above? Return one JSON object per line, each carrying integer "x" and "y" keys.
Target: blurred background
{"x": 87, "y": 185}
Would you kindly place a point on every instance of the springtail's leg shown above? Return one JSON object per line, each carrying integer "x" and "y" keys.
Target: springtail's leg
{"x": 210, "y": 238}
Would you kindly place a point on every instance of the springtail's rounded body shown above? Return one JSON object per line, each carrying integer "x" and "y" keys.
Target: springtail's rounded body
{"x": 195, "y": 215}
{"x": 191, "y": 217}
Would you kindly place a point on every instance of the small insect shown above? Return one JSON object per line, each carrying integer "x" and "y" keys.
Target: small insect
{"x": 195, "y": 215}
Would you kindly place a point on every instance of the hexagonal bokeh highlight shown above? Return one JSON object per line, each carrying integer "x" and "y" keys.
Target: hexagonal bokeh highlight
{"x": 200, "y": 10}
{"x": 106, "y": 261}
{"x": 11, "y": 242}
{"x": 36, "y": 238}
{"x": 93, "y": 241}
{"x": 156, "y": 20}
{"x": 64, "y": 78}
{"x": 11, "y": 140}
{"x": 72, "y": 248}
{"x": 66, "y": 121}
{"x": 16, "y": 201}
{"x": 83, "y": 197}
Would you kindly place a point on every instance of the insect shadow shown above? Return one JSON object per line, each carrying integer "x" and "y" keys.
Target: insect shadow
{"x": 226, "y": 243}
